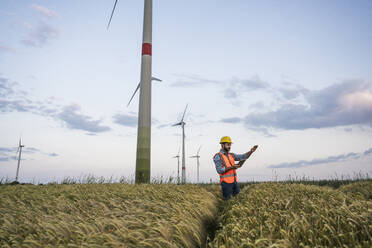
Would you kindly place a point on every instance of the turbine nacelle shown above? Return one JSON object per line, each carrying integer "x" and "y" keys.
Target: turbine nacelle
{"x": 182, "y": 123}
{"x": 179, "y": 124}
{"x": 197, "y": 154}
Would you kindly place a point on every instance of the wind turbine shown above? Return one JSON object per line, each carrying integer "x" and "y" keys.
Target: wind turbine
{"x": 144, "y": 113}
{"x": 178, "y": 165}
{"x": 182, "y": 124}
{"x": 197, "y": 161}
{"x": 20, "y": 146}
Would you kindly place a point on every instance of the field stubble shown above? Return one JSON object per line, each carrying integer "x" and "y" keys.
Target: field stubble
{"x": 295, "y": 215}
{"x": 111, "y": 215}
{"x": 168, "y": 215}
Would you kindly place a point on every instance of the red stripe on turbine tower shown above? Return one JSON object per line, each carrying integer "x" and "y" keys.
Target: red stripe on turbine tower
{"x": 146, "y": 49}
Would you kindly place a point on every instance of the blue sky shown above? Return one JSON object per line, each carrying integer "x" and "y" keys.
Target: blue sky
{"x": 293, "y": 77}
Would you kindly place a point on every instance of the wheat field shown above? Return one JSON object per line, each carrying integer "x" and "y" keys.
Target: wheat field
{"x": 295, "y": 215}
{"x": 109, "y": 215}
{"x": 168, "y": 215}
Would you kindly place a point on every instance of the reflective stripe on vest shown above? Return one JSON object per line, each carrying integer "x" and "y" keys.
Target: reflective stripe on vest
{"x": 228, "y": 175}
{"x": 227, "y": 161}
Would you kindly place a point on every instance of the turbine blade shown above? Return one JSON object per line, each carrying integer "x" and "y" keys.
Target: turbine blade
{"x": 112, "y": 13}
{"x": 134, "y": 93}
{"x": 184, "y": 112}
{"x": 179, "y": 148}
{"x": 198, "y": 150}
{"x": 177, "y": 124}
{"x": 155, "y": 79}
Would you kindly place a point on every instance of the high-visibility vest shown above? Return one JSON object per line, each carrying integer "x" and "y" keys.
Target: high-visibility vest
{"x": 230, "y": 176}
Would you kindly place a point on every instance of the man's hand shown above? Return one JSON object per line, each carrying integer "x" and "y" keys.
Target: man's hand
{"x": 233, "y": 167}
{"x": 237, "y": 166}
{"x": 253, "y": 149}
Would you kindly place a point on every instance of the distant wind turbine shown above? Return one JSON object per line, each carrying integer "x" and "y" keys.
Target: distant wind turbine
{"x": 19, "y": 150}
{"x": 143, "y": 158}
{"x": 178, "y": 165}
{"x": 182, "y": 124}
{"x": 197, "y": 156}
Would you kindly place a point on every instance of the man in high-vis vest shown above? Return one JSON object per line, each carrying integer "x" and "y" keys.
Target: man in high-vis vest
{"x": 226, "y": 167}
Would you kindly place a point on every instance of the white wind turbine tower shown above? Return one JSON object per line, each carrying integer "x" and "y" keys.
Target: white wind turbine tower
{"x": 143, "y": 155}
{"x": 197, "y": 156}
{"x": 20, "y": 146}
{"x": 182, "y": 124}
{"x": 178, "y": 165}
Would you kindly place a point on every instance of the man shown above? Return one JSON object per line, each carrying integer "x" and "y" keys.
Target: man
{"x": 226, "y": 167}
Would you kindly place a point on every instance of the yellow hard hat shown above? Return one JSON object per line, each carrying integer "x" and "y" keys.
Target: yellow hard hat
{"x": 225, "y": 139}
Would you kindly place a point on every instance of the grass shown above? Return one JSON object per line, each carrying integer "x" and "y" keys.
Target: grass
{"x": 361, "y": 189}
{"x": 294, "y": 215}
{"x": 97, "y": 212}
{"x": 110, "y": 215}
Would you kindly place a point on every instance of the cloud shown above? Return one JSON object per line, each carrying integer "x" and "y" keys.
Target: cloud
{"x": 230, "y": 93}
{"x": 126, "y": 120}
{"x": 253, "y": 83}
{"x": 234, "y": 120}
{"x": 257, "y": 105}
{"x": 7, "y": 150}
{"x": 231, "y": 120}
{"x": 13, "y": 105}
{"x": 235, "y": 88}
{"x": 6, "y": 49}
{"x": 368, "y": 152}
{"x": 72, "y": 117}
{"x": 43, "y": 32}
{"x": 4, "y": 159}
{"x": 44, "y": 11}
{"x": 40, "y": 35}
{"x": 318, "y": 161}
{"x": 348, "y": 129}
{"x": 9, "y": 153}
{"x": 6, "y": 87}
{"x": 30, "y": 150}
{"x": 186, "y": 81}
{"x": 290, "y": 91}
{"x": 346, "y": 103}
{"x": 163, "y": 126}
{"x": 232, "y": 88}
{"x": 13, "y": 100}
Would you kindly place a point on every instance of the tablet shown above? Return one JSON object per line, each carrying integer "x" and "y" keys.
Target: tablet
{"x": 241, "y": 162}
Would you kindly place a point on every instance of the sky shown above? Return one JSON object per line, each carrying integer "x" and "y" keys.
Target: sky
{"x": 293, "y": 77}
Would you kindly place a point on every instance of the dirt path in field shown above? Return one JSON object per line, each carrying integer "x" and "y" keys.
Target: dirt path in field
{"x": 213, "y": 226}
